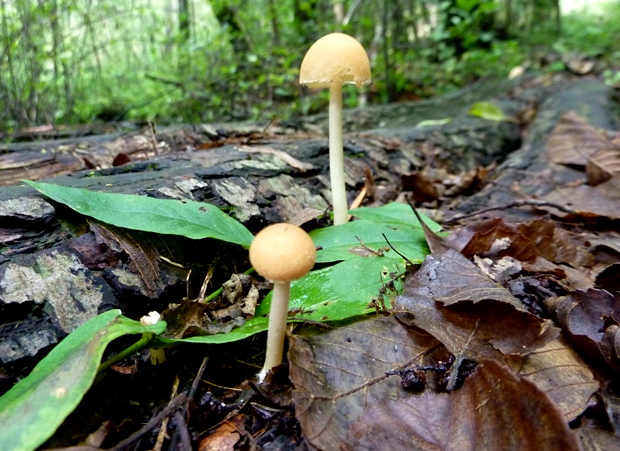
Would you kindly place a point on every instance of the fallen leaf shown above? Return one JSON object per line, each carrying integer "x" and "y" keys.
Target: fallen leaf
{"x": 573, "y": 141}
{"x": 601, "y": 166}
{"x": 144, "y": 257}
{"x": 421, "y": 187}
{"x": 590, "y": 320}
{"x": 470, "y": 314}
{"x": 224, "y": 438}
{"x": 494, "y": 410}
{"x": 490, "y": 112}
{"x": 609, "y": 279}
{"x": 339, "y": 373}
{"x": 588, "y": 201}
{"x": 492, "y": 237}
{"x": 559, "y": 371}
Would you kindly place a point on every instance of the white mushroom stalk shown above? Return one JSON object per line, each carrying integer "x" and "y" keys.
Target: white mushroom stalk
{"x": 282, "y": 253}
{"x": 332, "y": 61}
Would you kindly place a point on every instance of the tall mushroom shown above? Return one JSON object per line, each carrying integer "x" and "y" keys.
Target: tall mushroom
{"x": 281, "y": 253}
{"x": 332, "y": 61}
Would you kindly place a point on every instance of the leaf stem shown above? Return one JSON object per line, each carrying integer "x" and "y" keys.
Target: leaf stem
{"x": 217, "y": 292}
{"x": 137, "y": 346}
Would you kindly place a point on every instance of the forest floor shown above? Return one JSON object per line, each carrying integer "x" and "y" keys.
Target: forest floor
{"x": 507, "y": 336}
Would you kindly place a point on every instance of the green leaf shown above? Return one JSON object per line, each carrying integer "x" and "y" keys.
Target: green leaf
{"x": 342, "y": 243}
{"x": 330, "y": 294}
{"x": 398, "y": 223}
{"x": 338, "y": 292}
{"x": 33, "y": 409}
{"x": 195, "y": 220}
{"x": 433, "y": 122}
{"x": 394, "y": 214}
{"x": 490, "y": 112}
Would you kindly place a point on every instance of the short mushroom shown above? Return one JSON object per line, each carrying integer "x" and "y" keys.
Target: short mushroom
{"x": 332, "y": 61}
{"x": 280, "y": 253}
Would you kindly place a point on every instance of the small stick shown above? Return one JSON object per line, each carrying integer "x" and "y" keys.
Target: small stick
{"x": 177, "y": 402}
{"x": 516, "y": 203}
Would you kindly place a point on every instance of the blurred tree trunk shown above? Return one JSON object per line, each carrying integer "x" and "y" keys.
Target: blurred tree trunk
{"x": 275, "y": 27}
{"x": 61, "y": 71}
{"x": 386, "y": 48}
{"x": 229, "y": 20}
{"x": 184, "y": 21}
{"x": 306, "y": 20}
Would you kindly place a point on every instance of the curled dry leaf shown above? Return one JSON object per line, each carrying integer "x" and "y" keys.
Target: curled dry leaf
{"x": 422, "y": 188}
{"x": 494, "y": 410}
{"x": 525, "y": 242}
{"x": 559, "y": 371}
{"x": 491, "y": 237}
{"x": 473, "y": 316}
{"x": 338, "y": 374}
{"x": 231, "y": 310}
{"x": 603, "y": 165}
{"x": 609, "y": 279}
{"x": 590, "y": 320}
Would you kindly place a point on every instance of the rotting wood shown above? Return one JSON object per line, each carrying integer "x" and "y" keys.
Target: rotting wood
{"x": 285, "y": 174}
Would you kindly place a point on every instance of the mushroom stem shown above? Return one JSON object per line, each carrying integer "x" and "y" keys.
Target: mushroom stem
{"x": 278, "y": 315}
{"x": 336, "y": 154}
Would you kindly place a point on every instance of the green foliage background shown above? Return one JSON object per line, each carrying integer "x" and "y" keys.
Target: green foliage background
{"x": 170, "y": 61}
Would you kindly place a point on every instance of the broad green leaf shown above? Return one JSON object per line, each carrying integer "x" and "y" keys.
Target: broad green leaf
{"x": 33, "y": 409}
{"x": 490, "y": 112}
{"x": 340, "y": 291}
{"x": 195, "y": 220}
{"x": 344, "y": 242}
{"x": 331, "y": 294}
{"x": 393, "y": 214}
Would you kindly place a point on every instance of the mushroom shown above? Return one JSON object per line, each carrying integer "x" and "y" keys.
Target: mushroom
{"x": 332, "y": 61}
{"x": 280, "y": 253}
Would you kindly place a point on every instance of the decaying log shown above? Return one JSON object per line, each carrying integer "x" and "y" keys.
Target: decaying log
{"x": 262, "y": 176}
{"x": 529, "y": 173}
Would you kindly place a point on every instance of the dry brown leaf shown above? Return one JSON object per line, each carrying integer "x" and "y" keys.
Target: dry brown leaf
{"x": 143, "y": 256}
{"x": 339, "y": 373}
{"x": 569, "y": 278}
{"x": 422, "y": 188}
{"x": 559, "y": 371}
{"x": 590, "y": 320}
{"x": 573, "y": 141}
{"x": 473, "y": 316}
{"x": 594, "y": 438}
{"x": 492, "y": 237}
{"x": 603, "y": 165}
{"x": 588, "y": 201}
{"x": 495, "y": 410}
{"x": 555, "y": 244}
{"x": 609, "y": 279}
{"x": 224, "y": 438}
{"x": 525, "y": 242}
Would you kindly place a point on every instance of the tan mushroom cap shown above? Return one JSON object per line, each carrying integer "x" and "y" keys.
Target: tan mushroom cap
{"x": 335, "y": 58}
{"x": 282, "y": 252}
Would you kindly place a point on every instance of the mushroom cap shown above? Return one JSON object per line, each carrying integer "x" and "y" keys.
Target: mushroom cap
{"x": 282, "y": 252}
{"x": 335, "y": 58}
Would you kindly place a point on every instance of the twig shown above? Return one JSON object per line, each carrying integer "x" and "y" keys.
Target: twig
{"x": 394, "y": 249}
{"x": 166, "y": 412}
{"x": 161, "y": 436}
{"x": 183, "y": 432}
{"x": 516, "y": 203}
